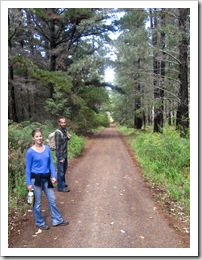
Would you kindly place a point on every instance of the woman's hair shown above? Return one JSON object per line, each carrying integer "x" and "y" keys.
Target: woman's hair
{"x": 36, "y": 130}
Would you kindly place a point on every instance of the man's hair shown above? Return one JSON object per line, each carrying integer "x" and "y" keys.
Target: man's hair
{"x": 62, "y": 117}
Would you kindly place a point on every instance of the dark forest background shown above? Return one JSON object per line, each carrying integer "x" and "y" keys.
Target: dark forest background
{"x": 58, "y": 58}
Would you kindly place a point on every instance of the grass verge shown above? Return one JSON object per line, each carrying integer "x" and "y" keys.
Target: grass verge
{"x": 165, "y": 160}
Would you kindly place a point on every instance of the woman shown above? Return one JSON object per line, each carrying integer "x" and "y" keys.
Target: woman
{"x": 41, "y": 175}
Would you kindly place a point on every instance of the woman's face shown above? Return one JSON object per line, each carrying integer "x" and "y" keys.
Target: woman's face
{"x": 38, "y": 138}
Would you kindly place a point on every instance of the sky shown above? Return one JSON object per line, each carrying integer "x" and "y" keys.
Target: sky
{"x": 109, "y": 75}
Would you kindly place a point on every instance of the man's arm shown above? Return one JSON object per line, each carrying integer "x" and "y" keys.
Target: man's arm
{"x": 68, "y": 135}
{"x": 58, "y": 142}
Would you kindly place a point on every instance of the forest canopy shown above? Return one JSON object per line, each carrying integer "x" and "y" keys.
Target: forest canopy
{"x": 58, "y": 58}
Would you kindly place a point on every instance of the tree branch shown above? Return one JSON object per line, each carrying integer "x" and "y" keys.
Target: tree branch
{"x": 97, "y": 83}
{"x": 171, "y": 56}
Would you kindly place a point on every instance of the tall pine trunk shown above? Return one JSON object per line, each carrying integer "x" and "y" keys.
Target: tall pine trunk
{"x": 53, "y": 57}
{"x": 158, "y": 99}
{"x": 162, "y": 69}
{"x": 138, "y": 117}
{"x": 12, "y": 108}
{"x": 183, "y": 108}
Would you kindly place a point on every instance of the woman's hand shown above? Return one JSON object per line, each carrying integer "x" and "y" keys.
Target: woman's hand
{"x": 53, "y": 180}
{"x": 30, "y": 187}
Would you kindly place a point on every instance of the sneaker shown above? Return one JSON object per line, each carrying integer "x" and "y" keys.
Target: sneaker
{"x": 63, "y": 223}
{"x": 44, "y": 227}
{"x": 64, "y": 190}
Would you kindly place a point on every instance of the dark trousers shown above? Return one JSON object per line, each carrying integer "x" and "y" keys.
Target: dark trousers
{"x": 61, "y": 171}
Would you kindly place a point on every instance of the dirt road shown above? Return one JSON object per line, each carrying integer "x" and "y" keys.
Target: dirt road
{"x": 109, "y": 205}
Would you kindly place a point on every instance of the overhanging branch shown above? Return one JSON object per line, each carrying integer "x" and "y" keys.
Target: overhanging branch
{"x": 97, "y": 83}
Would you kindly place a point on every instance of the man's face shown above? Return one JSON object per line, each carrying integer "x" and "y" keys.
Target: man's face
{"x": 63, "y": 123}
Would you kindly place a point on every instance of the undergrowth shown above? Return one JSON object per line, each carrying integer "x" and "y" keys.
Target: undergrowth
{"x": 165, "y": 159}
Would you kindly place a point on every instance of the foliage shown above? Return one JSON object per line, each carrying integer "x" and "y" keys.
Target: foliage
{"x": 59, "y": 79}
{"x": 75, "y": 145}
{"x": 165, "y": 159}
{"x": 58, "y": 105}
{"x": 87, "y": 120}
{"x": 150, "y": 69}
{"x": 25, "y": 67}
{"x": 66, "y": 50}
{"x": 94, "y": 97}
{"x": 61, "y": 49}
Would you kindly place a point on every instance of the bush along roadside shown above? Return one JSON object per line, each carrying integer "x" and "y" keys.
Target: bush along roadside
{"x": 19, "y": 140}
{"x": 165, "y": 162}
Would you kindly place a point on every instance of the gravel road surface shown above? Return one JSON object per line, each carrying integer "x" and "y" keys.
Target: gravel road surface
{"x": 109, "y": 205}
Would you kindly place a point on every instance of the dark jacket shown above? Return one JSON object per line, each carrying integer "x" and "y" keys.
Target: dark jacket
{"x": 61, "y": 143}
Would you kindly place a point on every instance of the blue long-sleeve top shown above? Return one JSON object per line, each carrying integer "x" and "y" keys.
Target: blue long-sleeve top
{"x": 39, "y": 163}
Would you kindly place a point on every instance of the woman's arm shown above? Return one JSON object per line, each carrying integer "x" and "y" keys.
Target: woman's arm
{"x": 28, "y": 169}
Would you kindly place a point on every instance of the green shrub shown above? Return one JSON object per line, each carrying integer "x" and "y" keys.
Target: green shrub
{"x": 87, "y": 120}
{"x": 75, "y": 146}
{"x": 165, "y": 159}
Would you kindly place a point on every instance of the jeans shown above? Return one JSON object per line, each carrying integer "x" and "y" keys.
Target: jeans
{"x": 61, "y": 170}
{"x": 49, "y": 192}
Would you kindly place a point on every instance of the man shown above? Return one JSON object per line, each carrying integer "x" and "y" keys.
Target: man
{"x": 61, "y": 142}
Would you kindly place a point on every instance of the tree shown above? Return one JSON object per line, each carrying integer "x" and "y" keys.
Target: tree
{"x": 161, "y": 69}
{"x": 52, "y": 40}
{"x": 131, "y": 64}
{"x": 61, "y": 52}
{"x": 158, "y": 70}
{"x": 183, "y": 108}
{"x": 14, "y": 26}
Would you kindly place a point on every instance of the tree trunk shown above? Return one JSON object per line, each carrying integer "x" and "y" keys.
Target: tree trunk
{"x": 138, "y": 114}
{"x": 137, "y": 119}
{"x": 162, "y": 69}
{"x": 53, "y": 58}
{"x": 30, "y": 32}
{"x": 159, "y": 72}
{"x": 156, "y": 73}
{"x": 12, "y": 112}
{"x": 183, "y": 109}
